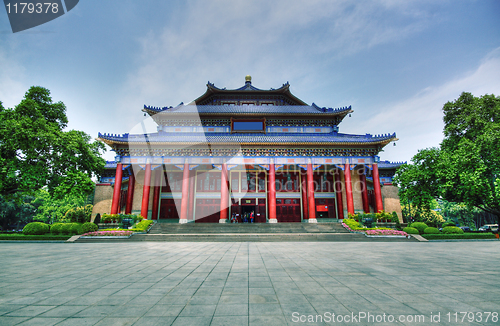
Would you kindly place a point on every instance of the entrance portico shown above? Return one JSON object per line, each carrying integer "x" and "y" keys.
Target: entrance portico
{"x": 297, "y": 189}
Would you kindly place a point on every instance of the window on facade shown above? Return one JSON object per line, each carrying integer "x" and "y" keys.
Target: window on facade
{"x": 208, "y": 182}
{"x": 287, "y": 182}
{"x": 248, "y": 181}
{"x": 174, "y": 182}
{"x": 262, "y": 182}
{"x": 323, "y": 182}
{"x": 254, "y": 125}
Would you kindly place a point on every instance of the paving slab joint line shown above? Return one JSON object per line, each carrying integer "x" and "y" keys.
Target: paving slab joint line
{"x": 419, "y": 237}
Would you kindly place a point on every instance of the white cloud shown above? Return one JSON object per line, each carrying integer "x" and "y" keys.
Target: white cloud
{"x": 418, "y": 121}
{"x": 274, "y": 41}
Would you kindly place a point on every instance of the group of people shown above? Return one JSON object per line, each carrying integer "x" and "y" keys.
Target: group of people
{"x": 247, "y": 217}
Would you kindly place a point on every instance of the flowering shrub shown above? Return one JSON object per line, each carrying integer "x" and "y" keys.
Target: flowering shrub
{"x": 108, "y": 234}
{"x": 386, "y": 232}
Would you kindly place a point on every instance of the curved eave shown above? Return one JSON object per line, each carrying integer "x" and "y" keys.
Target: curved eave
{"x": 152, "y": 113}
{"x": 382, "y": 142}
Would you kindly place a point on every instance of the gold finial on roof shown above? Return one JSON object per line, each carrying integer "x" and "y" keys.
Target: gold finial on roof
{"x": 248, "y": 78}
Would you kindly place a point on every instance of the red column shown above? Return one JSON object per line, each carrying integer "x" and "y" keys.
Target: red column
{"x": 224, "y": 196}
{"x": 364, "y": 193}
{"x": 338, "y": 194}
{"x": 272, "y": 195}
{"x": 348, "y": 189}
{"x": 310, "y": 193}
{"x": 191, "y": 194}
{"x": 115, "y": 203}
{"x": 304, "y": 196}
{"x": 379, "y": 206}
{"x": 156, "y": 193}
{"x": 145, "y": 192}
{"x": 130, "y": 192}
{"x": 185, "y": 193}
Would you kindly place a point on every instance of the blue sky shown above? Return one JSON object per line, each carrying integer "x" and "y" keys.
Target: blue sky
{"x": 395, "y": 62}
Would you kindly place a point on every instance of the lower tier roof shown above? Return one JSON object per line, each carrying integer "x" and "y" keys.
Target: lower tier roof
{"x": 163, "y": 138}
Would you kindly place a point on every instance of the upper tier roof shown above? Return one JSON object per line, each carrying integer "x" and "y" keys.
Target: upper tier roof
{"x": 214, "y": 92}
{"x": 249, "y": 109}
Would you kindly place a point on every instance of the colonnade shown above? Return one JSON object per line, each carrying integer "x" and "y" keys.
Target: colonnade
{"x": 187, "y": 200}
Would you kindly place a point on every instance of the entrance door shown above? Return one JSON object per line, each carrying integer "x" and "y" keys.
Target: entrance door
{"x": 260, "y": 212}
{"x": 235, "y": 209}
{"x": 168, "y": 210}
{"x": 247, "y": 206}
{"x": 288, "y": 210}
{"x": 325, "y": 208}
{"x": 207, "y": 210}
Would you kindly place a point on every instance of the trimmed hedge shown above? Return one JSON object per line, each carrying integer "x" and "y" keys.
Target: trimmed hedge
{"x": 20, "y": 236}
{"x": 464, "y": 236}
{"x": 36, "y": 228}
{"x": 56, "y": 228}
{"x": 88, "y": 227}
{"x": 410, "y": 230}
{"x": 448, "y": 223}
{"x": 431, "y": 230}
{"x": 420, "y": 226}
{"x": 452, "y": 230}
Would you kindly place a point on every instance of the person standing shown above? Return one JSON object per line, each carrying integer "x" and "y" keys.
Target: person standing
{"x": 251, "y": 217}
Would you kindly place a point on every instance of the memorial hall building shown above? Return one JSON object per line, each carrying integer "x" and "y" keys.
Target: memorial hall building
{"x": 233, "y": 151}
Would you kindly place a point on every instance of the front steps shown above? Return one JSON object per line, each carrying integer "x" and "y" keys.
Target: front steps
{"x": 246, "y": 228}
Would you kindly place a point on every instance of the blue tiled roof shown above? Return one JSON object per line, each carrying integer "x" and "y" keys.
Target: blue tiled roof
{"x": 249, "y": 109}
{"x": 162, "y": 137}
{"x": 389, "y": 165}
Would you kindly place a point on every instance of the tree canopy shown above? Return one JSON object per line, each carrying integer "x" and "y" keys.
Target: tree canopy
{"x": 466, "y": 167}
{"x": 35, "y": 151}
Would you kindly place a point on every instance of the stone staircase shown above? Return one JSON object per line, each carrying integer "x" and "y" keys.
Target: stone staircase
{"x": 244, "y": 232}
{"x": 246, "y": 228}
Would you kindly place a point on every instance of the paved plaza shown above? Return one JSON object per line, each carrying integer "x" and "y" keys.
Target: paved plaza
{"x": 279, "y": 283}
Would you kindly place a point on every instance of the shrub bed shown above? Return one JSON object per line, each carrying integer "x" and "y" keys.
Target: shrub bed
{"x": 142, "y": 226}
{"x": 88, "y": 227}
{"x": 410, "y": 230}
{"x": 56, "y": 228}
{"x": 36, "y": 228}
{"x": 387, "y": 232}
{"x": 459, "y": 236}
{"x": 420, "y": 226}
{"x": 452, "y": 230}
{"x": 115, "y": 233}
{"x": 431, "y": 230}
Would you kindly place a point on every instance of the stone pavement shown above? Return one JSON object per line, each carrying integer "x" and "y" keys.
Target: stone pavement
{"x": 180, "y": 283}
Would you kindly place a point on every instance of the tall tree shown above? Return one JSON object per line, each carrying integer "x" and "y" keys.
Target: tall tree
{"x": 466, "y": 167}
{"x": 471, "y": 153}
{"x": 35, "y": 151}
{"x": 418, "y": 182}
